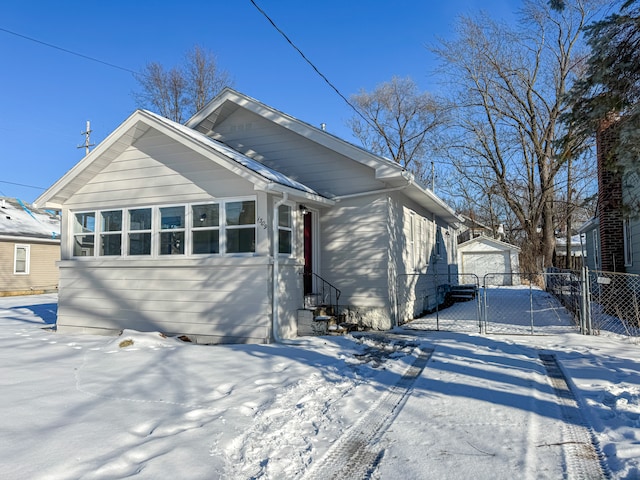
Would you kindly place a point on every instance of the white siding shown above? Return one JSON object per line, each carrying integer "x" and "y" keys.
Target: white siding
{"x": 355, "y": 255}
{"x": 157, "y": 170}
{"x": 316, "y": 166}
{"x": 221, "y": 301}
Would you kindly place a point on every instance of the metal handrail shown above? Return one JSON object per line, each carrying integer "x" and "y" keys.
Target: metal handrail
{"x": 327, "y": 288}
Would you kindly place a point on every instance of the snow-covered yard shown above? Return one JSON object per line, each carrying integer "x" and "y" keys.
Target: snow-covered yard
{"x": 414, "y": 404}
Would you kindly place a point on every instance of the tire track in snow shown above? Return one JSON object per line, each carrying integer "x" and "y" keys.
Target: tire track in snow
{"x": 583, "y": 456}
{"x": 354, "y": 455}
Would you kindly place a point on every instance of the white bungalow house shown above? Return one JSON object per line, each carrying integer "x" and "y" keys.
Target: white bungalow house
{"x": 219, "y": 229}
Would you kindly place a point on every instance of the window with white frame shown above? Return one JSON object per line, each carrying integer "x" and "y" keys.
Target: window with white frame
{"x": 22, "y": 257}
{"x": 222, "y": 227}
{"x": 172, "y": 230}
{"x": 240, "y": 226}
{"x": 628, "y": 245}
{"x": 84, "y": 227}
{"x": 140, "y": 231}
{"x": 412, "y": 240}
{"x": 111, "y": 232}
{"x": 285, "y": 230}
{"x": 205, "y": 228}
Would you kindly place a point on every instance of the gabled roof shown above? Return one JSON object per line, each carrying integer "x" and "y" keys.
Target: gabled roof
{"x": 138, "y": 123}
{"x": 498, "y": 244}
{"x": 589, "y": 225}
{"x": 20, "y": 221}
{"x": 229, "y": 100}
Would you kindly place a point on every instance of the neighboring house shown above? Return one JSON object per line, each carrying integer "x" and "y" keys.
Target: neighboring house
{"x": 471, "y": 228}
{"x": 612, "y": 239}
{"x": 590, "y": 232}
{"x": 219, "y": 228}
{"x": 29, "y": 248}
{"x": 577, "y": 252}
{"x": 491, "y": 260}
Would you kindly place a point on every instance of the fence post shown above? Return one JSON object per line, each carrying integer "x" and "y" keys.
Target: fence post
{"x": 531, "y": 305}
{"x": 435, "y": 288}
{"x": 484, "y": 301}
{"x": 587, "y": 302}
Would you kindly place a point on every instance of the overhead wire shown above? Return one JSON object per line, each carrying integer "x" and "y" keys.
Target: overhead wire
{"x": 316, "y": 69}
{"x": 66, "y": 50}
{"x": 22, "y": 185}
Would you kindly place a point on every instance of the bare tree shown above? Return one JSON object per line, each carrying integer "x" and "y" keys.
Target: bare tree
{"x": 397, "y": 122}
{"x": 508, "y": 85}
{"x": 181, "y": 91}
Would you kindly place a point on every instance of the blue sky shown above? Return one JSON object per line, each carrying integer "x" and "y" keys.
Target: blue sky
{"x": 47, "y": 95}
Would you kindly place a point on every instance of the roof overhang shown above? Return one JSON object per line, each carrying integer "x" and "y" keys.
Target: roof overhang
{"x": 229, "y": 100}
{"x": 137, "y": 125}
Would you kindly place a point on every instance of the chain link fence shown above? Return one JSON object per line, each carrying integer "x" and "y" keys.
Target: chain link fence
{"x": 522, "y": 303}
{"x": 440, "y": 302}
{"x": 609, "y": 301}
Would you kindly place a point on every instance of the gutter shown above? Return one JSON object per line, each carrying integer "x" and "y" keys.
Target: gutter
{"x": 372, "y": 192}
{"x": 25, "y": 239}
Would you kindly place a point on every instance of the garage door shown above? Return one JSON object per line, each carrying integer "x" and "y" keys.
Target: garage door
{"x": 483, "y": 263}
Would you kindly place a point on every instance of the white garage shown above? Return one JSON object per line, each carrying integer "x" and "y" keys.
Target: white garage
{"x": 490, "y": 259}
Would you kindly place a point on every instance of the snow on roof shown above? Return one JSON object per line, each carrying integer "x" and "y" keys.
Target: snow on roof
{"x": 236, "y": 156}
{"x": 18, "y": 219}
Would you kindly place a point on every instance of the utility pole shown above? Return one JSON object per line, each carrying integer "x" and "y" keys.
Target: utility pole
{"x": 87, "y": 139}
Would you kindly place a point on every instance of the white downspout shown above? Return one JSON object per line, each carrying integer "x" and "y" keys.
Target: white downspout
{"x": 275, "y": 242}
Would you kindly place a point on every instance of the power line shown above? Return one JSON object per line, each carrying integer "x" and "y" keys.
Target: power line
{"x": 22, "y": 185}
{"x": 81, "y": 55}
{"x": 312, "y": 65}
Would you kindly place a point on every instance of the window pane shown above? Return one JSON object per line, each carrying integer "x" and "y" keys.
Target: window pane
{"x": 241, "y": 240}
{"x": 140, "y": 244}
{"x": 83, "y": 246}
{"x": 85, "y": 222}
{"x": 111, "y": 244}
{"x": 206, "y": 215}
{"x": 140, "y": 219}
{"x": 206, "y": 241}
{"x": 284, "y": 241}
{"x": 241, "y": 213}
{"x": 284, "y": 216}
{"x": 21, "y": 260}
{"x": 112, "y": 221}
{"x": 171, "y": 243}
{"x": 171, "y": 218}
